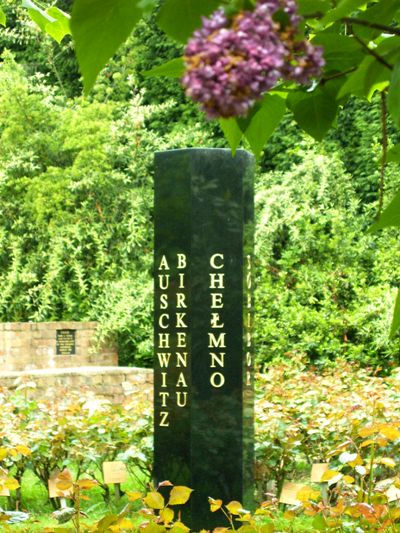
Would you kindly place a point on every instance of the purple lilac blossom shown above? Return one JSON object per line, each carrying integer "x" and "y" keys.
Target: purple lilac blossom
{"x": 231, "y": 63}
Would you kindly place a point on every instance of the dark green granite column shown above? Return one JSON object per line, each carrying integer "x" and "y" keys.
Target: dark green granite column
{"x": 203, "y": 319}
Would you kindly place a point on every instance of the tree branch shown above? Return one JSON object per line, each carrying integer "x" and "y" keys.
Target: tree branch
{"x": 337, "y": 75}
{"x": 372, "y": 52}
{"x": 373, "y": 25}
{"x": 360, "y": 22}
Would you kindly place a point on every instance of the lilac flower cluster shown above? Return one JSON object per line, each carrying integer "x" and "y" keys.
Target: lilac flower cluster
{"x": 231, "y": 63}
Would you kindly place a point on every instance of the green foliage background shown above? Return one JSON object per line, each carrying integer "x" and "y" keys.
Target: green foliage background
{"x": 76, "y": 206}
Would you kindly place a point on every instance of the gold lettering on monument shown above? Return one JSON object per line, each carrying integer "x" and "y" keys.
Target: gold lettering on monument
{"x": 216, "y": 337}
{"x": 248, "y": 321}
{"x": 172, "y": 325}
{"x": 172, "y": 351}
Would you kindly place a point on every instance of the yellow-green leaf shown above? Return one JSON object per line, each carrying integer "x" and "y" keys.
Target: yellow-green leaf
{"x": 390, "y": 432}
{"x": 386, "y": 461}
{"x": 307, "y": 493}
{"x": 395, "y": 514}
{"x": 124, "y": 524}
{"x": 179, "y": 527}
{"x": 267, "y": 528}
{"x": 234, "y": 507}
{"x": 23, "y": 450}
{"x": 329, "y": 474}
{"x": 167, "y": 515}
{"x": 87, "y": 484}
{"x": 357, "y": 461}
{"x": 366, "y": 443}
{"x": 106, "y": 523}
{"x": 367, "y": 431}
{"x": 153, "y": 528}
{"x": 179, "y": 495}
{"x": 11, "y": 484}
{"x": 214, "y": 504}
{"x": 247, "y": 528}
{"x": 2, "y": 17}
{"x": 133, "y": 496}
{"x": 64, "y": 484}
{"x": 3, "y": 453}
{"x": 154, "y": 500}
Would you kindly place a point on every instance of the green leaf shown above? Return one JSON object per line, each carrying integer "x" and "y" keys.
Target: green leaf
{"x": 146, "y": 5}
{"x": 53, "y": 21}
{"x": 264, "y": 122}
{"x": 340, "y": 51}
{"x": 106, "y": 522}
{"x": 232, "y": 132}
{"x": 396, "y": 317}
{"x": 309, "y": 7}
{"x": 60, "y": 27}
{"x": 179, "y": 18}
{"x": 343, "y": 9}
{"x": 99, "y": 27}
{"x": 355, "y": 83}
{"x": 394, "y": 94}
{"x": 372, "y": 75}
{"x": 390, "y": 216}
{"x": 382, "y": 12}
{"x": 314, "y": 112}
{"x": 2, "y": 17}
{"x": 393, "y": 155}
{"x": 319, "y": 523}
{"x": 38, "y": 15}
{"x": 172, "y": 69}
{"x": 377, "y": 78}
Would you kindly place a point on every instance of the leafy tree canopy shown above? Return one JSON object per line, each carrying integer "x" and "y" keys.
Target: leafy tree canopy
{"x": 360, "y": 42}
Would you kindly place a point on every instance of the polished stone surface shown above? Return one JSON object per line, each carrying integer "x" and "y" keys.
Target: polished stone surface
{"x": 203, "y": 317}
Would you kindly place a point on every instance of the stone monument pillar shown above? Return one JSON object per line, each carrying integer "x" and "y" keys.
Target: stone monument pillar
{"x": 203, "y": 326}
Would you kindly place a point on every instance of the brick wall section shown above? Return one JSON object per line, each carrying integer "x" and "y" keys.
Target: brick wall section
{"x": 31, "y": 346}
{"x": 113, "y": 383}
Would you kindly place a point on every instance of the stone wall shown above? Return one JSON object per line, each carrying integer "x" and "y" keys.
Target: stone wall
{"x": 50, "y": 345}
{"x": 113, "y": 383}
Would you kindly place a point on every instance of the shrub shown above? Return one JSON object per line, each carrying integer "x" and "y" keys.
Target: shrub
{"x": 321, "y": 287}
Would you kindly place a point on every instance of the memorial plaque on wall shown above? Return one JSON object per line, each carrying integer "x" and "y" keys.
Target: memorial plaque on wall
{"x": 65, "y": 342}
{"x": 203, "y": 326}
